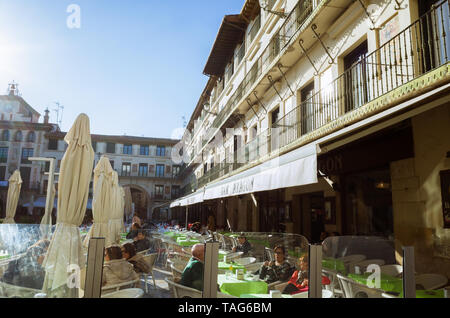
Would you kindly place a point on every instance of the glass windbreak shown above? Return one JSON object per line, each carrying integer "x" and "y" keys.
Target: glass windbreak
{"x": 362, "y": 267}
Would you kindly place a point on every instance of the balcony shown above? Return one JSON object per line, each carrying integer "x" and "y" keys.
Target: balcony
{"x": 294, "y": 21}
{"x": 412, "y": 63}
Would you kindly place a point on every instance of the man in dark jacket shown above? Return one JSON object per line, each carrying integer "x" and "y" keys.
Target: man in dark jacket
{"x": 244, "y": 246}
{"x": 141, "y": 242}
{"x": 193, "y": 272}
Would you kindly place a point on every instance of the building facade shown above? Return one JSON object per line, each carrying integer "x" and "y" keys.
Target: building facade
{"x": 327, "y": 116}
{"x": 143, "y": 164}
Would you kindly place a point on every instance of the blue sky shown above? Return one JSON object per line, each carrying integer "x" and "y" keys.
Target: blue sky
{"x": 135, "y": 67}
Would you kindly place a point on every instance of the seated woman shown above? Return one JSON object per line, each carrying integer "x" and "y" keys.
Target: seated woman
{"x": 299, "y": 280}
{"x": 141, "y": 242}
{"x": 116, "y": 270}
{"x": 137, "y": 260}
{"x": 278, "y": 270}
{"x": 27, "y": 271}
{"x": 135, "y": 227}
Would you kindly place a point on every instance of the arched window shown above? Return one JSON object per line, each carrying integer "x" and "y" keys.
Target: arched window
{"x": 18, "y": 136}
{"x": 5, "y": 135}
{"x": 31, "y": 136}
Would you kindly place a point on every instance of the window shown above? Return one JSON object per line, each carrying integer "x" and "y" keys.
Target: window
{"x": 253, "y": 132}
{"x": 175, "y": 192}
{"x": 31, "y": 136}
{"x": 3, "y": 154}
{"x": 18, "y": 136}
{"x": 143, "y": 169}
{"x": 94, "y": 146}
{"x": 307, "y": 109}
{"x": 159, "y": 191}
{"x": 126, "y": 169}
{"x": 160, "y": 170}
{"x": 110, "y": 147}
{"x": 161, "y": 151}
{"x": 53, "y": 144}
{"x": 275, "y": 115}
{"x": 128, "y": 149}
{"x": 355, "y": 78}
{"x": 144, "y": 150}
{"x": 2, "y": 173}
{"x": 5, "y": 135}
{"x": 26, "y": 153}
{"x": 176, "y": 170}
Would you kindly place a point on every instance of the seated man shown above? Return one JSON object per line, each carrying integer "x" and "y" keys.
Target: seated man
{"x": 141, "y": 243}
{"x": 278, "y": 270}
{"x": 27, "y": 271}
{"x": 116, "y": 270}
{"x": 193, "y": 272}
{"x": 299, "y": 280}
{"x": 244, "y": 246}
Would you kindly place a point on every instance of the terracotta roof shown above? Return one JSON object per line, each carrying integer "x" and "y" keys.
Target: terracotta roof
{"x": 121, "y": 139}
{"x": 230, "y": 34}
{"x": 250, "y": 10}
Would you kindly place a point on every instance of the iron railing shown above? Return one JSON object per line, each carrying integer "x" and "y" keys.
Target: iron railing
{"x": 291, "y": 25}
{"x": 418, "y": 49}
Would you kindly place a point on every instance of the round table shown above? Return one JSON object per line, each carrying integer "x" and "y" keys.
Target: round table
{"x": 125, "y": 293}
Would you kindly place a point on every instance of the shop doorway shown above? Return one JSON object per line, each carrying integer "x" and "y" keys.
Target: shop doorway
{"x": 368, "y": 203}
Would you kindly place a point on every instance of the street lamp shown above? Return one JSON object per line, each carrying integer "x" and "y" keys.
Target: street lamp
{"x": 264, "y": 4}
{"x": 51, "y": 175}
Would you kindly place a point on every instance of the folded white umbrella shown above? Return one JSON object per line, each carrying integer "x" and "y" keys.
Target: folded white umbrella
{"x": 15, "y": 183}
{"x": 116, "y": 225}
{"x": 65, "y": 250}
{"x": 102, "y": 202}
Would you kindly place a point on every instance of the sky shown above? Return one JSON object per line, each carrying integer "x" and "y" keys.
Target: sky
{"x": 135, "y": 67}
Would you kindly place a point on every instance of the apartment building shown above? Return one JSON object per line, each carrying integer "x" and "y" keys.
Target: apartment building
{"x": 143, "y": 164}
{"x": 327, "y": 115}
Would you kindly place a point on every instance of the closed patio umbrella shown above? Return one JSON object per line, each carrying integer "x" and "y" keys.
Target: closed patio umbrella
{"x": 15, "y": 183}
{"x": 116, "y": 225}
{"x": 102, "y": 200}
{"x": 128, "y": 201}
{"x": 65, "y": 247}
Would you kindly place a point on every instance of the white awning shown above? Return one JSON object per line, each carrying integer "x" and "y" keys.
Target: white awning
{"x": 296, "y": 168}
{"x": 194, "y": 198}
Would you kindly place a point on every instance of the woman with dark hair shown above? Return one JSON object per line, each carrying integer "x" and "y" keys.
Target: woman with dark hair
{"x": 135, "y": 227}
{"x": 137, "y": 260}
{"x": 27, "y": 271}
{"x": 278, "y": 270}
{"x": 116, "y": 270}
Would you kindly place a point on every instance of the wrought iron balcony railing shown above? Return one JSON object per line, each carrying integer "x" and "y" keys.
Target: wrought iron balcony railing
{"x": 418, "y": 49}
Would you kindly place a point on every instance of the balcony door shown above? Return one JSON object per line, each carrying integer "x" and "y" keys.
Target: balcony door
{"x": 355, "y": 78}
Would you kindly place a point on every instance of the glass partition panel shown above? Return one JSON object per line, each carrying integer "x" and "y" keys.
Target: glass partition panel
{"x": 362, "y": 267}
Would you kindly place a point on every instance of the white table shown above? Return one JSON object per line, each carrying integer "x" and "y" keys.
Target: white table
{"x": 125, "y": 293}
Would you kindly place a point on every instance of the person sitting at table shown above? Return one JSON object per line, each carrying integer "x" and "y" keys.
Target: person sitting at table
{"x": 137, "y": 260}
{"x": 116, "y": 270}
{"x": 192, "y": 275}
{"x": 299, "y": 279}
{"x": 278, "y": 270}
{"x": 196, "y": 227}
{"x": 141, "y": 243}
{"x": 135, "y": 227}
{"x": 27, "y": 271}
{"x": 244, "y": 245}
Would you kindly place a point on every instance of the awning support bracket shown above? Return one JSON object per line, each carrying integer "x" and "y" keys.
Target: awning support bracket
{"x": 269, "y": 77}
{"x": 368, "y": 15}
{"x": 314, "y": 28}
{"x": 259, "y": 102}
{"x": 307, "y": 56}
{"x": 249, "y": 102}
{"x": 284, "y": 76}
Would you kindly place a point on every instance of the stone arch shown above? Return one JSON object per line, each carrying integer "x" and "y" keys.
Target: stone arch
{"x": 140, "y": 197}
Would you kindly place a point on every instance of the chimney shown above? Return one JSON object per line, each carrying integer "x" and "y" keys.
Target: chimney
{"x": 46, "y": 116}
